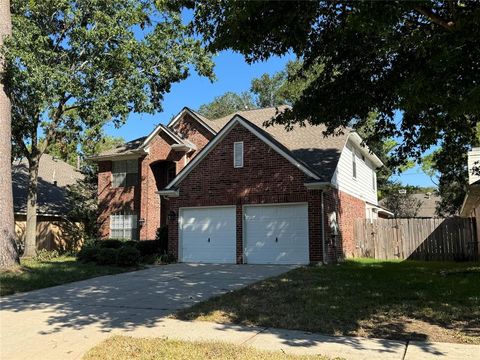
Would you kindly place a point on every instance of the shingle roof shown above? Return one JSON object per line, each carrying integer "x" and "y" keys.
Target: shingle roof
{"x": 307, "y": 144}
{"x": 123, "y": 149}
{"x": 51, "y": 197}
{"x": 429, "y": 204}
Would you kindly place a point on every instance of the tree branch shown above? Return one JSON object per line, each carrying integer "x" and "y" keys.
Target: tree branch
{"x": 55, "y": 121}
{"x": 436, "y": 19}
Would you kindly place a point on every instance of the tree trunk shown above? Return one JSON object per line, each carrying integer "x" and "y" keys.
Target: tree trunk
{"x": 8, "y": 250}
{"x": 31, "y": 230}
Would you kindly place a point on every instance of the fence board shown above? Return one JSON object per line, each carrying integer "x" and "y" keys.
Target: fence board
{"x": 417, "y": 238}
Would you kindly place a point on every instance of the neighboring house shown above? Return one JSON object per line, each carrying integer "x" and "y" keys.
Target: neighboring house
{"x": 471, "y": 203}
{"x": 427, "y": 209}
{"x": 428, "y": 205}
{"x": 54, "y": 229}
{"x": 234, "y": 191}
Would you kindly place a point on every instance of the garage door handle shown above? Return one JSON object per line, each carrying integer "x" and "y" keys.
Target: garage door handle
{"x": 208, "y": 239}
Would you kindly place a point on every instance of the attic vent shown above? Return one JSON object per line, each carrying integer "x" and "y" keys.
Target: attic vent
{"x": 238, "y": 154}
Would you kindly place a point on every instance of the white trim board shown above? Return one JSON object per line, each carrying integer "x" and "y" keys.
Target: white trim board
{"x": 237, "y": 119}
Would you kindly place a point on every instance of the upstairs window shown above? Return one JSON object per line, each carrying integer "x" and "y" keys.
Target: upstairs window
{"x": 238, "y": 154}
{"x": 123, "y": 225}
{"x": 124, "y": 173}
{"x": 354, "y": 164}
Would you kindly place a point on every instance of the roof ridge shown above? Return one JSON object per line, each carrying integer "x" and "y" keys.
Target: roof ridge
{"x": 247, "y": 110}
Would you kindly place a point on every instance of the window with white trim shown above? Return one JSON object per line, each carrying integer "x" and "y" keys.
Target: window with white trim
{"x": 124, "y": 173}
{"x": 238, "y": 154}
{"x": 123, "y": 225}
{"x": 354, "y": 164}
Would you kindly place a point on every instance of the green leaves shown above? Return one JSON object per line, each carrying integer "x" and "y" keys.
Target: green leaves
{"x": 76, "y": 65}
{"x": 420, "y": 58}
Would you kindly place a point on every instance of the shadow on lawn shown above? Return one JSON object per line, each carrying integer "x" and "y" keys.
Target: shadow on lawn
{"x": 401, "y": 301}
{"x": 143, "y": 298}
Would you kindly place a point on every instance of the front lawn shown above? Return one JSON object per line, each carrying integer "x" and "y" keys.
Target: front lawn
{"x": 122, "y": 347}
{"x": 34, "y": 274}
{"x": 434, "y": 301}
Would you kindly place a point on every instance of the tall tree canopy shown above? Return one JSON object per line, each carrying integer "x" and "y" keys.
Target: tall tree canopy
{"x": 227, "y": 103}
{"x": 74, "y": 65}
{"x": 417, "y": 58}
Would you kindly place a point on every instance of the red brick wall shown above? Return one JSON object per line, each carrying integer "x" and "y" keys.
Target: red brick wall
{"x": 158, "y": 150}
{"x": 348, "y": 208}
{"x": 111, "y": 200}
{"x": 143, "y": 198}
{"x": 190, "y": 129}
{"x": 266, "y": 177}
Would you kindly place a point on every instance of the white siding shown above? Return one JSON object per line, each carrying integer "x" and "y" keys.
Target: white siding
{"x": 361, "y": 186}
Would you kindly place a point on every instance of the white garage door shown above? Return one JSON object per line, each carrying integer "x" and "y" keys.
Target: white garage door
{"x": 276, "y": 234}
{"x": 208, "y": 235}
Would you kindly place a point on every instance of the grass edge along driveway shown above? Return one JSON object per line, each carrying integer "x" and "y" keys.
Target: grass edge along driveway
{"x": 34, "y": 274}
{"x": 409, "y": 300}
{"x": 125, "y": 348}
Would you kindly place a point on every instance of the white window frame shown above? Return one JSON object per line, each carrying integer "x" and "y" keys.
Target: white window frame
{"x": 238, "y": 146}
{"x": 124, "y": 224}
{"x": 120, "y": 171}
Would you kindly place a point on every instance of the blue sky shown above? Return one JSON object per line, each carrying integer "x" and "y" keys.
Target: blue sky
{"x": 233, "y": 74}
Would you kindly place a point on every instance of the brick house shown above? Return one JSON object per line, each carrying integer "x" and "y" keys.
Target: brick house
{"x": 231, "y": 190}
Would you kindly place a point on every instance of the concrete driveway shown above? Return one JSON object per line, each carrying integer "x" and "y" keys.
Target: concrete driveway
{"x": 63, "y": 322}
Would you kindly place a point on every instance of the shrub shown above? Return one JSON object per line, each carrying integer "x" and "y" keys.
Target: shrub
{"x": 162, "y": 238}
{"x": 131, "y": 243}
{"x": 46, "y": 255}
{"x": 111, "y": 243}
{"x": 164, "y": 259}
{"x": 149, "y": 247}
{"x": 128, "y": 256}
{"x": 107, "y": 256}
{"x": 88, "y": 253}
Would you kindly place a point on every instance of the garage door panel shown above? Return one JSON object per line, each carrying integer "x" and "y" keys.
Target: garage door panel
{"x": 276, "y": 234}
{"x": 208, "y": 235}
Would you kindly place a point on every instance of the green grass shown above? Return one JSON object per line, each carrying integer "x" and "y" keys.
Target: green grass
{"x": 398, "y": 300}
{"x": 125, "y": 348}
{"x": 35, "y": 274}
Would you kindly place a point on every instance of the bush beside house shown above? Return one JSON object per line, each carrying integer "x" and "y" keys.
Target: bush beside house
{"x": 127, "y": 253}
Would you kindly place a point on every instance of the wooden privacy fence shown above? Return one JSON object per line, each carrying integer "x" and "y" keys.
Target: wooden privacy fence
{"x": 417, "y": 238}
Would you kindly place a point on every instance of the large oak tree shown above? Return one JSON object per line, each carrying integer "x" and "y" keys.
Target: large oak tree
{"x": 417, "y": 58}
{"x": 73, "y": 65}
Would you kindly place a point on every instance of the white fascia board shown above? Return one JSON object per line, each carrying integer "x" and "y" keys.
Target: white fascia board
{"x": 155, "y": 132}
{"x": 168, "y": 193}
{"x": 319, "y": 185}
{"x": 357, "y": 139}
{"x": 182, "y": 147}
{"x": 192, "y": 114}
{"x": 113, "y": 157}
{"x": 237, "y": 119}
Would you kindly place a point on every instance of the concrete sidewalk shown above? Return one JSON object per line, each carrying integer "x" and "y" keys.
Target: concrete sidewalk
{"x": 305, "y": 343}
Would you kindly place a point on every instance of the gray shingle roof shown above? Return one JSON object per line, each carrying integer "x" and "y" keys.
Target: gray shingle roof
{"x": 124, "y": 149}
{"x": 429, "y": 204}
{"x": 307, "y": 144}
{"x": 51, "y": 197}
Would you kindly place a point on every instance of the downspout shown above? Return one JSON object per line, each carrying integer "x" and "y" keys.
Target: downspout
{"x": 324, "y": 255}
